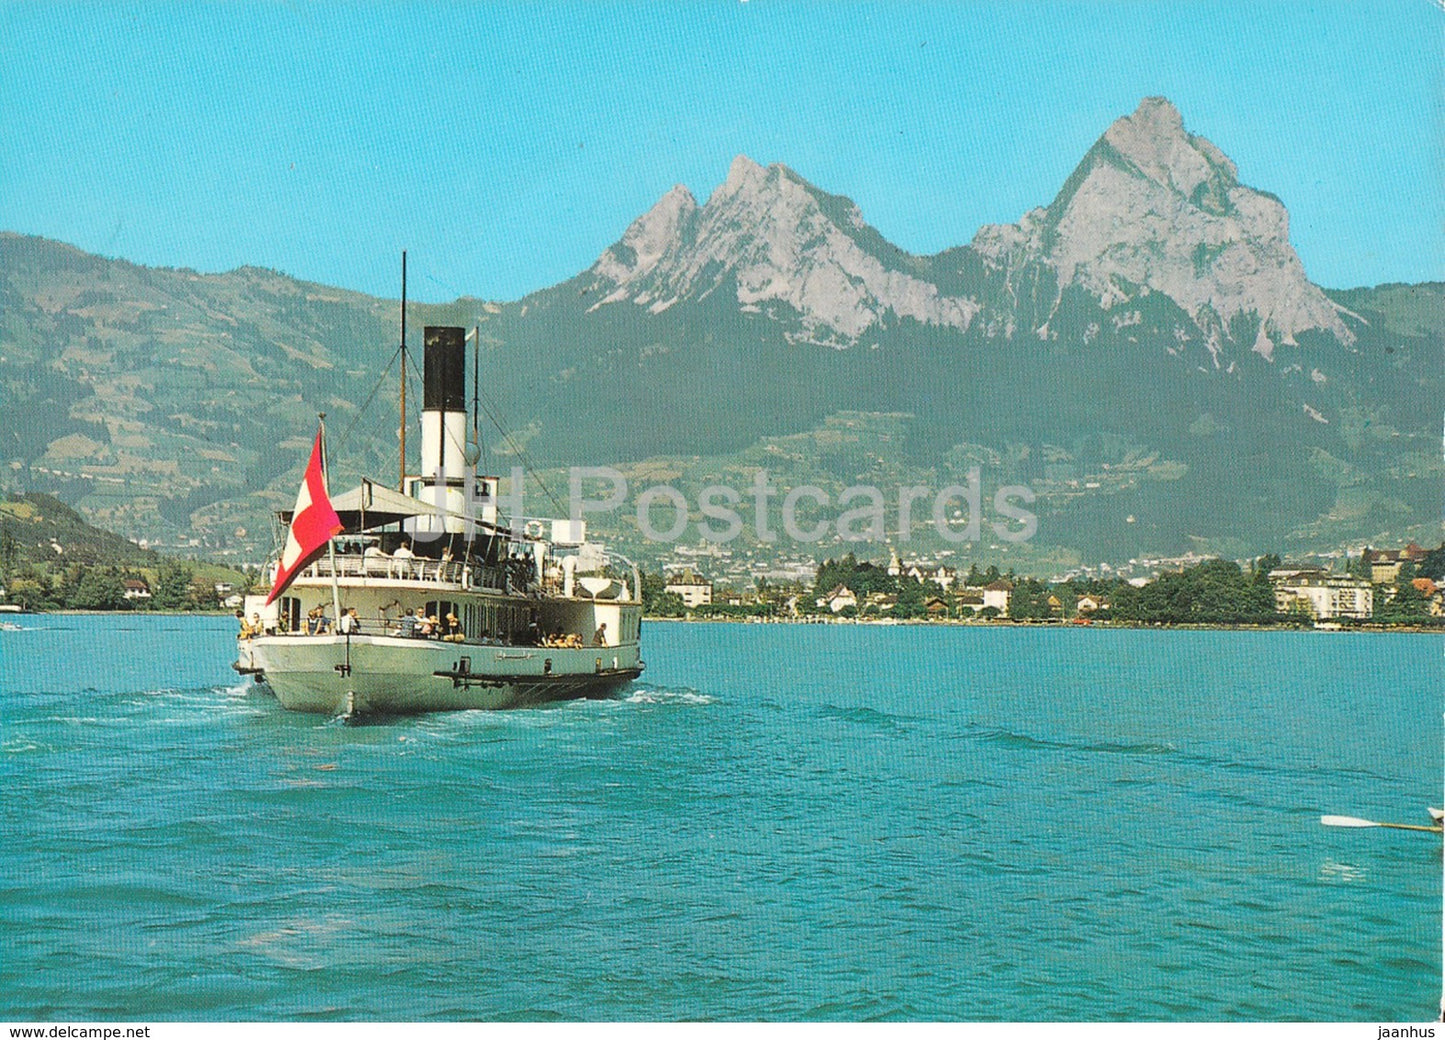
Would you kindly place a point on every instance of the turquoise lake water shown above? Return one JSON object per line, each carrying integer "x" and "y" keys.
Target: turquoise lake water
{"x": 777, "y": 822}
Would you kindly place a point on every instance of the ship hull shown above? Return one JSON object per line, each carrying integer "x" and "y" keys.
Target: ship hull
{"x": 381, "y": 675}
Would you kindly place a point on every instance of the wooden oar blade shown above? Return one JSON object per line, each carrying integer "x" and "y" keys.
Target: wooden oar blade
{"x": 1355, "y": 821}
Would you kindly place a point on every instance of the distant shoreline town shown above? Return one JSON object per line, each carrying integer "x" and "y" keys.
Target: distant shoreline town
{"x": 51, "y": 560}
{"x": 1377, "y": 588}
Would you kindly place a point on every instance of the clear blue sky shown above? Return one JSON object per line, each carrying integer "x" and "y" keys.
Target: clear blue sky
{"x": 506, "y": 145}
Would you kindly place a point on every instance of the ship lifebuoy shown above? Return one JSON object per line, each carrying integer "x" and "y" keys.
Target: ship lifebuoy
{"x": 533, "y": 529}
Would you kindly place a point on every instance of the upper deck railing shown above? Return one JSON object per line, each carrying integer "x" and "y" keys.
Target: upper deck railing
{"x": 446, "y": 574}
{"x": 399, "y": 568}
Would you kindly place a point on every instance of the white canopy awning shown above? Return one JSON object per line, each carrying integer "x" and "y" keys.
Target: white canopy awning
{"x": 370, "y": 505}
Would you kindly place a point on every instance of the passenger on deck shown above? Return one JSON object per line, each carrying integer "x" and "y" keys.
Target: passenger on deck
{"x": 453, "y": 633}
{"x": 246, "y": 631}
{"x": 373, "y": 560}
{"x": 599, "y": 638}
{"x": 408, "y": 625}
{"x": 403, "y": 557}
{"x": 350, "y": 624}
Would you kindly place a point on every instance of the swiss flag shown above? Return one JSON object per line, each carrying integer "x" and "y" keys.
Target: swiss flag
{"x": 312, "y": 524}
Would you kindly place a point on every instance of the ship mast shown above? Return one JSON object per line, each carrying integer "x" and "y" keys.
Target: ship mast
{"x": 401, "y": 481}
{"x": 476, "y": 387}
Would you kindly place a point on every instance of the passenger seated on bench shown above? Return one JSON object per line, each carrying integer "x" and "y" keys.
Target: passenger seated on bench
{"x": 453, "y": 632}
{"x": 316, "y": 621}
{"x": 373, "y": 560}
{"x": 403, "y": 557}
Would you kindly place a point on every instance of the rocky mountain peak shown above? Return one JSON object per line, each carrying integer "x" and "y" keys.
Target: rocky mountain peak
{"x": 644, "y": 244}
{"x": 773, "y": 240}
{"x": 743, "y": 174}
{"x": 1153, "y": 208}
{"x": 1153, "y": 139}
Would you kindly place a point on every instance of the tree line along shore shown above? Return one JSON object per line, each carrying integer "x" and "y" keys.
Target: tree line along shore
{"x": 51, "y": 559}
{"x": 1263, "y": 593}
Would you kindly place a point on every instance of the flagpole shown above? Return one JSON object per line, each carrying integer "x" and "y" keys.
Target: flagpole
{"x": 330, "y": 542}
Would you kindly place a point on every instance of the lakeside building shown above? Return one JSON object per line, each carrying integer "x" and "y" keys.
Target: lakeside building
{"x": 1322, "y": 595}
{"x": 1385, "y": 564}
{"x": 839, "y": 598}
{"x": 921, "y": 570}
{"x": 881, "y": 602}
{"x": 969, "y": 602}
{"x": 135, "y": 589}
{"x": 694, "y": 590}
{"x": 996, "y": 594}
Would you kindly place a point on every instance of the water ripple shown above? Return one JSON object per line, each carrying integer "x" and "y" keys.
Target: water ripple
{"x": 755, "y": 832}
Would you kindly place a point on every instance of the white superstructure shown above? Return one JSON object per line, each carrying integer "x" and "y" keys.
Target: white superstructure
{"x": 442, "y": 603}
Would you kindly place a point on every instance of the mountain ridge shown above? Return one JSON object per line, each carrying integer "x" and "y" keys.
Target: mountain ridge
{"x": 787, "y": 241}
{"x": 162, "y": 400}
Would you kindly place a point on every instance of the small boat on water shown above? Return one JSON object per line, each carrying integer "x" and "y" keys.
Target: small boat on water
{"x": 425, "y": 598}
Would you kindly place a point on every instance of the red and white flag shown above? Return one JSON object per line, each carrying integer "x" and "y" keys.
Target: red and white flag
{"x": 312, "y": 524}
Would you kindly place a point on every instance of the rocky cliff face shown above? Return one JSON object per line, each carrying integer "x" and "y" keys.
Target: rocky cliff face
{"x": 1150, "y": 209}
{"x": 1154, "y": 209}
{"x": 774, "y": 240}
{"x": 1070, "y": 352}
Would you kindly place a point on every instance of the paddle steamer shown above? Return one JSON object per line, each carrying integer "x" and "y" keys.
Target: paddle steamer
{"x": 423, "y": 599}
